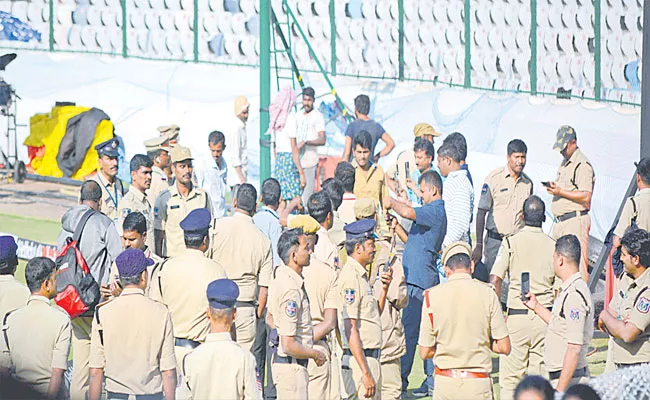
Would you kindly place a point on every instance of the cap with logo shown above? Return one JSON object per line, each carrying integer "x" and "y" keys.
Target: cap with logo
{"x": 423, "y": 129}
{"x": 222, "y": 293}
{"x": 108, "y": 148}
{"x": 197, "y": 221}
{"x": 131, "y": 262}
{"x": 8, "y": 249}
{"x": 363, "y": 228}
{"x": 455, "y": 248}
{"x": 564, "y": 135}
{"x": 364, "y": 208}
{"x": 180, "y": 153}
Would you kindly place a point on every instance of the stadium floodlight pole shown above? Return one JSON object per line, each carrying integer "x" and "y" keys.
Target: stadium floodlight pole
{"x": 400, "y": 44}
{"x": 265, "y": 89}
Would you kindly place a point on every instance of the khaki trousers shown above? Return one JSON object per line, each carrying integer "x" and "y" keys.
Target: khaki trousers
{"x": 391, "y": 380}
{"x": 357, "y": 377}
{"x": 246, "y": 326}
{"x": 445, "y": 388}
{"x": 81, "y": 328}
{"x": 291, "y": 381}
{"x": 319, "y": 377}
{"x": 580, "y": 227}
{"x": 182, "y": 391}
{"x": 527, "y": 335}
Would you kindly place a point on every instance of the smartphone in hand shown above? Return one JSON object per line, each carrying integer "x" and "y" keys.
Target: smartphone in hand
{"x": 525, "y": 285}
{"x": 546, "y": 183}
{"x": 407, "y": 169}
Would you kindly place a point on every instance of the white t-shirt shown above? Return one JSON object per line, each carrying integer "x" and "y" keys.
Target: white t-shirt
{"x": 283, "y": 136}
{"x": 307, "y": 128}
{"x": 236, "y": 152}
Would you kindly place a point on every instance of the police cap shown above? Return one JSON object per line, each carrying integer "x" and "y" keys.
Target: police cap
{"x": 363, "y": 228}
{"x": 222, "y": 293}
{"x": 108, "y": 148}
{"x": 308, "y": 224}
{"x": 197, "y": 221}
{"x": 8, "y": 249}
{"x": 455, "y": 248}
{"x": 131, "y": 262}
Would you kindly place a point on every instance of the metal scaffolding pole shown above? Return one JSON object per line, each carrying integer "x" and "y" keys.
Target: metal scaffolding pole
{"x": 265, "y": 89}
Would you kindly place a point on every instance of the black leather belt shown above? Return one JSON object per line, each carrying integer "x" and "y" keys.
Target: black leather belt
{"x": 374, "y": 353}
{"x": 572, "y": 214}
{"x": 290, "y": 360}
{"x": 494, "y": 235}
{"x": 516, "y": 311}
{"x": 187, "y": 343}
{"x": 239, "y": 304}
{"x": 622, "y": 366}
{"x": 579, "y": 373}
{"x": 124, "y": 396}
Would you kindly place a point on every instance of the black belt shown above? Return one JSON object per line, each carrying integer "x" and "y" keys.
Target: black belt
{"x": 187, "y": 343}
{"x": 373, "y": 353}
{"x": 290, "y": 360}
{"x": 622, "y": 366}
{"x": 517, "y": 311}
{"x": 494, "y": 235}
{"x": 572, "y": 214}
{"x": 579, "y": 373}
{"x": 124, "y": 396}
{"x": 245, "y": 304}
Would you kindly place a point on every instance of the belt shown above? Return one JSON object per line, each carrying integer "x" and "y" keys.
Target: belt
{"x": 494, "y": 235}
{"x": 579, "y": 373}
{"x": 187, "y": 343}
{"x": 124, "y": 396}
{"x": 572, "y": 214}
{"x": 290, "y": 360}
{"x": 251, "y": 303}
{"x": 622, "y": 366}
{"x": 373, "y": 353}
{"x": 517, "y": 311}
{"x": 457, "y": 373}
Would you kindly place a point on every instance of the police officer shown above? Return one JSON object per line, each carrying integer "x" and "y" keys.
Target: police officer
{"x": 320, "y": 209}
{"x": 132, "y": 340}
{"x": 527, "y": 251}
{"x": 158, "y": 152}
{"x": 136, "y": 198}
{"x": 36, "y": 337}
{"x": 290, "y": 314}
{"x": 320, "y": 286}
{"x": 627, "y": 319}
{"x": 175, "y": 203}
{"x": 360, "y": 310}
{"x": 183, "y": 279}
{"x": 572, "y": 191}
{"x": 112, "y": 187}
{"x": 170, "y": 133}
{"x": 245, "y": 253}
{"x": 13, "y": 294}
{"x": 637, "y": 209}
{"x": 461, "y": 322}
{"x": 502, "y": 200}
{"x": 570, "y": 322}
{"x": 220, "y": 368}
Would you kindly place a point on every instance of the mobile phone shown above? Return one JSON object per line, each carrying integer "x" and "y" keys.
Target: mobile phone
{"x": 118, "y": 282}
{"x": 407, "y": 169}
{"x": 546, "y": 183}
{"x": 386, "y": 267}
{"x": 396, "y": 179}
{"x": 525, "y": 285}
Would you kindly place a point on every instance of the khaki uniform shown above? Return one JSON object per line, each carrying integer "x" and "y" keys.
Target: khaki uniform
{"x": 325, "y": 251}
{"x": 371, "y": 184}
{"x": 631, "y": 302}
{"x": 171, "y": 208}
{"x": 572, "y": 321}
{"x": 530, "y": 250}
{"x": 289, "y": 306}
{"x": 245, "y": 253}
{"x": 13, "y": 294}
{"x": 159, "y": 183}
{"x": 135, "y": 200}
{"x": 112, "y": 194}
{"x": 460, "y": 318}
{"x": 503, "y": 198}
{"x": 320, "y": 285}
{"x": 574, "y": 174}
{"x": 392, "y": 331}
{"x": 152, "y": 270}
{"x": 221, "y": 369}
{"x": 132, "y": 340}
{"x": 38, "y": 337}
{"x": 642, "y": 203}
{"x": 357, "y": 301}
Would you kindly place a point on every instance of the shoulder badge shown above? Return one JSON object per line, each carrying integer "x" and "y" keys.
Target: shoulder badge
{"x": 349, "y": 296}
{"x": 291, "y": 308}
{"x": 258, "y": 379}
{"x": 643, "y": 305}
{"x": 574, "y": 314}
{"x": 155, "y": 212}
{"x": 485, "y": 188}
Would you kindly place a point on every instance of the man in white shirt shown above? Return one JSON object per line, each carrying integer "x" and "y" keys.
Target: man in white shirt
{"x": 212, "y": 172}
{"x": 236, "y": 155}
{"x": 310, "y": 133}
{"x": 457, "y": 193}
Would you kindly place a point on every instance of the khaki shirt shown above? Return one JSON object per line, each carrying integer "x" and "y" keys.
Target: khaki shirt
{"x": 326, "y": 251}
{"x": 13, "y": 294}
{"x": 112, "y": 194}
{"x": 572, "y": 321}
{"x": 289, "y": 306}
{"x": 400, "y": 165}
{"x": 631, "y": 302}
{"x": 320, "y": 285}
{"x": 530, "y": 250}
{"x": 642, "y": 202}
{"x": 171, "y": 208}
{"x": 503, "y": 198}
{"x": 135, "y": 200}
{"x": 336, "y": 232}
{"x": 357, "y": 301}
{"x": 245, "y": 253}
{"x": 152, "y": 270}
{"x": 370, "y": 184}
{"x": 39, "y": 340}
{"x": 159, "y": 183}
{"x": 460, "y": 319}
{"x": 181, "y": 285}
{"x": 221, "y": 369}
{"x": 136, "y": 343}
{"x": 585, "y": 179}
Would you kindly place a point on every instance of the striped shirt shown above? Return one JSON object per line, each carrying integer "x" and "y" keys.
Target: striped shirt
{"x": 458, "y": 195}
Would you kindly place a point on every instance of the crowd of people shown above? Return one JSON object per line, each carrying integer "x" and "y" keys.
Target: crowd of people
{"x": 325, "y": 290}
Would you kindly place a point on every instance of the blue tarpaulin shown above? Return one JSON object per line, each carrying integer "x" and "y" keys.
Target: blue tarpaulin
{"x": 14, "y": 29}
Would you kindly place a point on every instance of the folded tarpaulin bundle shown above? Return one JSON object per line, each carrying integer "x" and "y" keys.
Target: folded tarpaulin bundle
{"x": 16, "y": 30}
{"x": 79, "y": 135}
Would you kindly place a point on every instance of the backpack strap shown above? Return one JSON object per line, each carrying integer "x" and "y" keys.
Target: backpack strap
{"x": 82, "y": 223}
{"x": 4, "y": 329}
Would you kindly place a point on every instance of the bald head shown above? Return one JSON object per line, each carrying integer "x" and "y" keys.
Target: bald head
{"x": 534, "y": 210}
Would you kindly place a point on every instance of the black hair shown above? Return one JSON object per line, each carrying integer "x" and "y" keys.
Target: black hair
{"x": 135, "y": 222}
{"x": 432, "y": 178}
{"x": 288, "y": 242}
{"x": 309, "y": 91}
{"x": 319, "y": 206}
{"x": 458, "y": 261}
{"x": 536, "y": 383}
{"x": 37, "y": 271}
{"x": 362, "y": 104}
{"x": 155, "y": 153}
{"x": 194, "y": 240}
{"x": 422, "y": 144}
{"x": 457, "y": 140}
{"x": 344, "y": 173}
{"x": 271, "y": 192}
{"x": 130, "y": 280}
{"x": 534, "y": 209}
{"x": 216, "y": 137}
{"x": 517, "y": 146}
{"x": 451, "y": 151}
{"x": 334, "y": 189}
{"x": 637, "y": 243}
{"x": 569, "y": 247}
{"x": 351, "y": 244}
{"x": 140, "y": 160}
{"x": 581, "y": 391}
{"x": 247, "y": 198}
{"x": 643, "y": 169}
{"x": 363, "y": 139}
{"x": 90, "y": 191}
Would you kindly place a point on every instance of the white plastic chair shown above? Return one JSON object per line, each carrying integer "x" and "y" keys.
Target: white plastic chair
{"x": 320, "y": 7}
{"x": 238, "y": 24}
{"x": 173, "y": 5}
{"x": 494, "y": 39}
{"x": 563, "y": 68}
{"x": 588, "y": 71}
{"x": 520, "y": 66}
{"x": 216, "y": 6}
{"x": 425, "y": 11}
{"x": 156, "y": 4}
{"x": 383, "y": 31}
{"x": 618, "y": 73}
{"x": 627, "y": 45}
{"x": 186, "y": 41}
{"x": 88, "y": 38}
{"x": 613, "y": 20}
{"x": 584, "y": 17}
{"x": 223, "y": 22}
{"x": 439, "y": 38}
{"x": 173, "y": 44}
{"x": 523, "y": 16}
{"x": 369, "y": 31}
{"x": 152, "y": 20}
{"x": 64, "y": 14}
{"x": 497, "y": 15}
{"x": 109, "y": 18}
{"x": 440, "y": 13}
{"x": 115, "y": 37}
{"x": 367, "y": 9}
{"x": 481, "y": 37}
{"x": 565, "y": 41}
{"x": 555, "y": 18}
{"x": 73, "y": 38}
{"x": 411, "y": 11}
{"x": 476, "y": 61}
{"x": 303, "y": 8}
{"x": 426, "y": 35}
{"x": 103, "y": 39}
{"x": 19, "y": 10}
{"x": 569, "y": 18}
{"x": 613, "y": 44}
{"x": 581, "y": 42}
{"x": 453, "y": 36}
{"x": 136, "y": 19}
{"x": 411, "y": 34}
{"x": 455, "y": 13}
{"x": 34, "y": 13}
{"x": 382, "y": 9}
{"x": 508, "y": 39}
{"x": 511, "y": 16}
{"x": 158, "y": 44}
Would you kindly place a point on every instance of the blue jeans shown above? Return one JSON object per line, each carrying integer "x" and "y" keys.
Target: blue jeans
{"x": 411, "y": 320}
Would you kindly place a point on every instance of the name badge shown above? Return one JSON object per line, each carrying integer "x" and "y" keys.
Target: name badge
{"x": 174, "y": 207}
{"x": 503, "y": 190}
